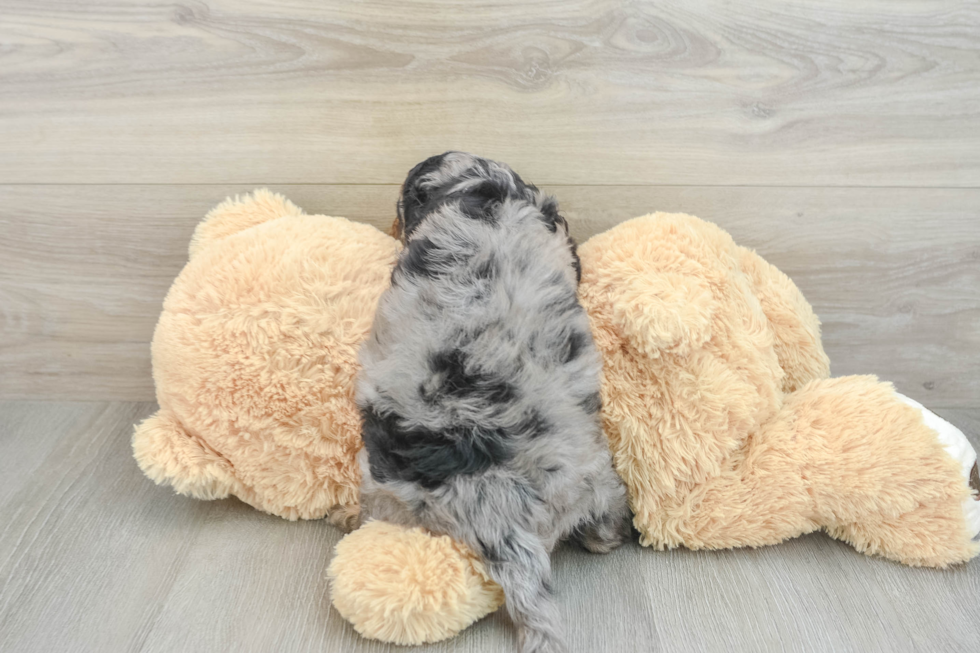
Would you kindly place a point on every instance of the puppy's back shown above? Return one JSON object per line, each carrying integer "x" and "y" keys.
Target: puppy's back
{"x": 480, "y": 343}
{"x": 480, "y": 386}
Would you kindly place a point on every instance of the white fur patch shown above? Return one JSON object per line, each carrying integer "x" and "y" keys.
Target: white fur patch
{"x": 957, "y": 446}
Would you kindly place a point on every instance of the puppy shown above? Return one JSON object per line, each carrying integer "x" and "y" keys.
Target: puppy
{"x": 479, "y": 388}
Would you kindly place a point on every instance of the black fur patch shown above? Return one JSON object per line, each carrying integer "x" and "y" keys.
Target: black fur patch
{"x": 458, "y": 381}
{"x": 493, "y": 552}
{"x": 487, "y": 270}
{"x": 418, "y": 257}
{"x": 574, "y": 346}
{"x": 592, "y": 404}
{"x": 551, "y": 217}
{"x": 424, "y": 258}
{"x": 567, "y": 303}
{"x": 429, "y": 458}
{"x": 411, "y": 206}
{"x": 576, "y": 262}
{"x": 534, "y": 425}
{"x": 481, "y": 202}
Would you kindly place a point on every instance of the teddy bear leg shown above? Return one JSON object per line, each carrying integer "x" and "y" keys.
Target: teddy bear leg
{"x": 918, "y": 537}
{"x": 844, "y": 454}
{"x": 886, "y": 475}
{"x": 960, "y": 450}
{"x": 405, "y": 586}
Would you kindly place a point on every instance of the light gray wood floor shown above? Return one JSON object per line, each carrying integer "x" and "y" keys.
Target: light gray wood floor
{"x": 94, "y": 557}
{"x": 839, "y": 139}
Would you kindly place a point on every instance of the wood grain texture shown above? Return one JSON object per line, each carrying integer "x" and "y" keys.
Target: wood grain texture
{"x": 94, "y": 557}
{"x": 569, "y": 91}
{"x": 839, "y": 139}
{"x": 893, "y": 273}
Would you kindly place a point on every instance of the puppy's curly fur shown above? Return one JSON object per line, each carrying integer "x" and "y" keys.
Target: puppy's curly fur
{"x": 479, "y": 387}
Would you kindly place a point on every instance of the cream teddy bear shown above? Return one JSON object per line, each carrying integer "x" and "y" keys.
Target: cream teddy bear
{"x": 717, "y": 404}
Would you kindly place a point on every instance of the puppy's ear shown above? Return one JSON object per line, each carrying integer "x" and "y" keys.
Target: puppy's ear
{"x": 411, "y": 206}
{"x": 415, "y": 195}
{"x": 396, "y": 230}
{"x": 556, "y": 222}
{"x": 549, "y": 213}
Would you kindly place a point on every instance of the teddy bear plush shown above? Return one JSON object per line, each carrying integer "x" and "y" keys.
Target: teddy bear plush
{"x": 716, "y": 400}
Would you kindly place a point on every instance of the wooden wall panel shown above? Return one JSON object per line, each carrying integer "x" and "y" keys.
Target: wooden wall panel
{"x": 575, "y": 92}
{"x": 893, "y": 273}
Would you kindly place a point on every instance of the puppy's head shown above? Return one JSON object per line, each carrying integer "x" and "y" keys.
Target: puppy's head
{"x": 478, "y": 185}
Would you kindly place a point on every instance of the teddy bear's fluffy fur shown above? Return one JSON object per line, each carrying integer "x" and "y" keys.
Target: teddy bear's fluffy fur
{"x": 255, "y": 357}
{"x": 721, "y": 417}
{"x": 717, "y": 404}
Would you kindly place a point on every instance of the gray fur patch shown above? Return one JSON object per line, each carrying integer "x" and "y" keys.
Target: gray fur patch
{"x": 479, "y": 385}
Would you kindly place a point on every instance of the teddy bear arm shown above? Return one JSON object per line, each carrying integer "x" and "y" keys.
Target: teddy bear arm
{"x": 794, "y": 325}
{"x": 169, "y": 455}
{"x": 759, "y": 498}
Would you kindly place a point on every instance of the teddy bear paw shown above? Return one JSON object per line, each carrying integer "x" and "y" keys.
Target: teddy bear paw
{"x": 963, "y": 453}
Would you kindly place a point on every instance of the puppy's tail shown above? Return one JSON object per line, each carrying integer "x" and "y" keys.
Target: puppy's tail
{"x": 519, "y": 563}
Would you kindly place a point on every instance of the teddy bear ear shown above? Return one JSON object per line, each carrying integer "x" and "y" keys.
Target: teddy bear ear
{"x": 236, "y": 214}
{"x": 641, "y": 276}
{"x": 169, "y": 455}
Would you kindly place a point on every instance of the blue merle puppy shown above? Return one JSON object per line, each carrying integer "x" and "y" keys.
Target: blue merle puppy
{"x": 480, "y": 385}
